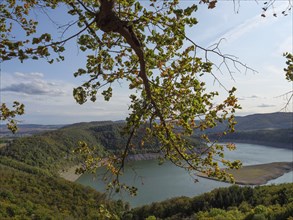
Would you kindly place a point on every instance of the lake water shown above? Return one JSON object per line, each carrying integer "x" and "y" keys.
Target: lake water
{"x": 159, "y": 182}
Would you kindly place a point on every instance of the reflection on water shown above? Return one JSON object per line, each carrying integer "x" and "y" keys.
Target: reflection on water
{"x": 251, "y": 154}
{"x": 157, "y": 183}
{"x": 154, "y": 182}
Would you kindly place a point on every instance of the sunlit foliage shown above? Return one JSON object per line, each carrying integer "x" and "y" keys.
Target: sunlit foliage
{"x": 9, "y": 115}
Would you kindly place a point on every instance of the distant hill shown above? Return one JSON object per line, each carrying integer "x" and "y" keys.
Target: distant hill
{"x": 27, "y": 129}
{"x": 270, "y": 121}
{"x": 277, "y": 120}
{"x": 280, "y": 138}
{"x": 53, "y": 149}
{"x": 275, "y": 129}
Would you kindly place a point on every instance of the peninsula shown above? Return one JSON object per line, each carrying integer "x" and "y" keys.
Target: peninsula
{"x": 258, "y": 174}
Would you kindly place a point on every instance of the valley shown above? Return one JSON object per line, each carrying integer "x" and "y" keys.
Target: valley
{"x": 31, "y": 166}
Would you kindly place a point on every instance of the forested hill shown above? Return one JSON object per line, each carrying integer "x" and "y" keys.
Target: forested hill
{"x": 53, "y": 150}
{"x": 278, "y": 120}
{"x": 28, "y": 192}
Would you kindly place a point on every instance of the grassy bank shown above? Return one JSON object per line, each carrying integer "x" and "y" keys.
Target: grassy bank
{"x": 70, "y": 174}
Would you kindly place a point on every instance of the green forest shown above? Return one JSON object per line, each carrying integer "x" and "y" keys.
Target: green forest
{"x": 28, "y": 193}
{"x": 235, "y": 202}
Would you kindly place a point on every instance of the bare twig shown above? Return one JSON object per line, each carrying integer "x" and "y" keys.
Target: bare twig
{"x": 289, "y": 97}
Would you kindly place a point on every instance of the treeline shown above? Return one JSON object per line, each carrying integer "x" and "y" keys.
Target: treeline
{"x": 263, "y": 202}
{"x": 29, "y": 195}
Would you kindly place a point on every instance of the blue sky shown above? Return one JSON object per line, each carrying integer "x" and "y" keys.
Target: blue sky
{"x": 46, "y": 90}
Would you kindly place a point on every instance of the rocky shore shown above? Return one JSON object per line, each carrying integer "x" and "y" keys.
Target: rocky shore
{"x": 145, "y": 156}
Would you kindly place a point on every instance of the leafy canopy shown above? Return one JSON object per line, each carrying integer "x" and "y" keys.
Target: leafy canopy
{"x": 144, "y": 43}
{"x": 8, "y": 115}
{"x": 289, "y": 76}
{"x": 289, "y": 66}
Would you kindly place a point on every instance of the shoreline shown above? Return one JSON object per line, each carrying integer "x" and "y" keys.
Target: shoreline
{"x": 70, "y": 175}
{"x": 288, "y": 146}
{"x": 279, "y": 169}
{"x": 247, "y": 175}
{"x": 259, "y": 174}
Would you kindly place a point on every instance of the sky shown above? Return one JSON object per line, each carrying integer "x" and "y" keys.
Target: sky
{"x": 259, "y": 42}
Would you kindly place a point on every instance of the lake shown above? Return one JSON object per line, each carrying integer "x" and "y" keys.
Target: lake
{"x": 159, "y": 182}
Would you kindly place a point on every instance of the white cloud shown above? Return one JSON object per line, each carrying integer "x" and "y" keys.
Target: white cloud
{"x": 253, "y": 97}
{"x": 28, "y": 75}
{"x": 66, "y": 110}
{"x": 34, "y": 88}
{"x": 249, "y": 97}
{"x": 243, "y": 28}
{"x": 251, "y": 24}
{"x": 265, "y": 105}
{"x": 32, "y": 84}
{"x": 51, "y": 101}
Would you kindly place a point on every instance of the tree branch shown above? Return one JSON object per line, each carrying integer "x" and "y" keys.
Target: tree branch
{"x": 67, "y": 39}
{"x": 86, "y": 8}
